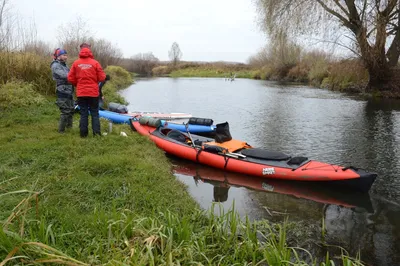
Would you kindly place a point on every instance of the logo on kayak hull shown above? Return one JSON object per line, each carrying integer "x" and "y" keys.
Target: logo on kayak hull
{"x": 268, "y": 171}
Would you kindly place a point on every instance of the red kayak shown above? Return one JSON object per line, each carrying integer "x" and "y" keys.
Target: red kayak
{"x": 240, "y": 157}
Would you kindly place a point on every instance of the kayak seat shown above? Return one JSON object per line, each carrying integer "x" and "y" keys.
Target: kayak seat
{"x": 265, "y": 155}
{"x": 177, "y": 135}
{"x": 198, "y": 142}
{"x": 297, "y": 160}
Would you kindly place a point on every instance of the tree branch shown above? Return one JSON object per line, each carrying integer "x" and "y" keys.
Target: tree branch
{"x": 371, "y": 31}
{"x": 389, "y": 8}
{"x": 346, "y": 22}
{"x": 341, "y": 45}
{"x": 341, "y": 7}
{"x": 393, "y": 52}
{"x": 363, "y": 11}
{"x": 354, "y": 16}
{"x": 2, "y": 12}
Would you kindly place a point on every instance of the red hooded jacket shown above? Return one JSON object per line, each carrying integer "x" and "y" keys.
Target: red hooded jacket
{"x": 85, "y": 75}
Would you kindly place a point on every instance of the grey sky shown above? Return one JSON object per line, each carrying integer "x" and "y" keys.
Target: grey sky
{"x": 208, "y": 30}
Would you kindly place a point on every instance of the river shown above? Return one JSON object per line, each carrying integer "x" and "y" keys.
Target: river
{"x": 299, "y": 120}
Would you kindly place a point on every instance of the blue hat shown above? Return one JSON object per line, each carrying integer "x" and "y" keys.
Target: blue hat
{"x": 61, "y": 52}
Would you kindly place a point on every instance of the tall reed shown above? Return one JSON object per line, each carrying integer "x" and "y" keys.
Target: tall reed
{"x": 28, "y": 67}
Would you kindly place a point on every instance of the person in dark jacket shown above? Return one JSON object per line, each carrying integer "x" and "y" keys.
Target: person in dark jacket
{"x": 64, "y": 89}
{"x": 101, "y": 96}
{"x": 85, "y": 74}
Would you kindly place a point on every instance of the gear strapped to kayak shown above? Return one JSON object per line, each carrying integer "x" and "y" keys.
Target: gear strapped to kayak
{"x": 238, "y": 156}
{"x": 232, "y": 145}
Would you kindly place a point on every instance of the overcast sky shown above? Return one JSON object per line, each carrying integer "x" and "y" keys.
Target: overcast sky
{"x": 208, "y": 30}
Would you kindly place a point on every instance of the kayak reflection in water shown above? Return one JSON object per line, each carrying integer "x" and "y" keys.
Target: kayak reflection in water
{"x": 223, "y": 181}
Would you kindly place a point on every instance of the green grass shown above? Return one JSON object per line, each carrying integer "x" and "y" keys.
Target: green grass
{"x": 113, "y": 200}
{"x": 17, "y": 93}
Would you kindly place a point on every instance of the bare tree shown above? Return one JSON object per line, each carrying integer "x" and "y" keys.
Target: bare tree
{"x": 17, "y": 34}
{"x": 143, "y": 63}
{"x": 105, "y": 52}
{"x": 372, "y": 25}
{"x": 71, "y": 35}
{"x": 38, "y": 47}
{"x": 282, "y": 52}
{"x": 76, "y": 32}
{"x": 175, "y": 53}
{"x": 7, "y": 21}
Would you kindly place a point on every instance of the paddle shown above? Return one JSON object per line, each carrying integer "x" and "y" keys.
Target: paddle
{"x": 238, "y": 154}
{"x": 190, "y": 136}
{"x": 229, "y": 155}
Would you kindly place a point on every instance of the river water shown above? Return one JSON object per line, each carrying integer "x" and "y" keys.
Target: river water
{"x": 299, "y": 120}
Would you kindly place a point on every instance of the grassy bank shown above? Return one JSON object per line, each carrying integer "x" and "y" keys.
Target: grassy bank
{"x": 217, "y": 69}
{"x": 83, "y": 186}
{"x": 210, "y": 72}
{"x": 314, "y": 69}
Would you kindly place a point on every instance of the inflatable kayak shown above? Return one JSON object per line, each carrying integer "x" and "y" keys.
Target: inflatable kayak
{"x": 119, "y": 118}
{"x": 311, "y": 191}
{"x": 238, "y": 156}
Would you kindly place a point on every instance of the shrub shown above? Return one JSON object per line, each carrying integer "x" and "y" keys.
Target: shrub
{"x": 17, "y": 94}
{"x": 29, "y": 67}
{"x": 161, "y": 71}
{"x": 318, "y": 63}
{"x": 298, "y": 73}
{"x": 143, "y": 63}
{"x": 346, "y": 75}
{"x": 318, "y": 72}
{"x": 120, "y": 79}
{"x": 266, "y": 72}
{"x": 256, "y": 74}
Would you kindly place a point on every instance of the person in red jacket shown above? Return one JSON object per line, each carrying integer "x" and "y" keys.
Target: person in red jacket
{"x": 85, "y": 75}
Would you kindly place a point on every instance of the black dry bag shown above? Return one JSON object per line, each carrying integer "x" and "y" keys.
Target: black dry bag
{"x": 222, "y": 133}
{"x": 200, "y": 121}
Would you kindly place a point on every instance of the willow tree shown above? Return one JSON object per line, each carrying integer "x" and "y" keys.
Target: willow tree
{"x": 372, "y": 26}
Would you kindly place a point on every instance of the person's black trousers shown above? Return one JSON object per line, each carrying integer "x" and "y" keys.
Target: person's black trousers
{"x": 86, "y": 105}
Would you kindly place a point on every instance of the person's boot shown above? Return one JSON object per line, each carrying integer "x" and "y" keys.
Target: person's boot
{"x": 62, "y": 124}
{"x": 83, "y": 134}
{"x": 69, "y": 122}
